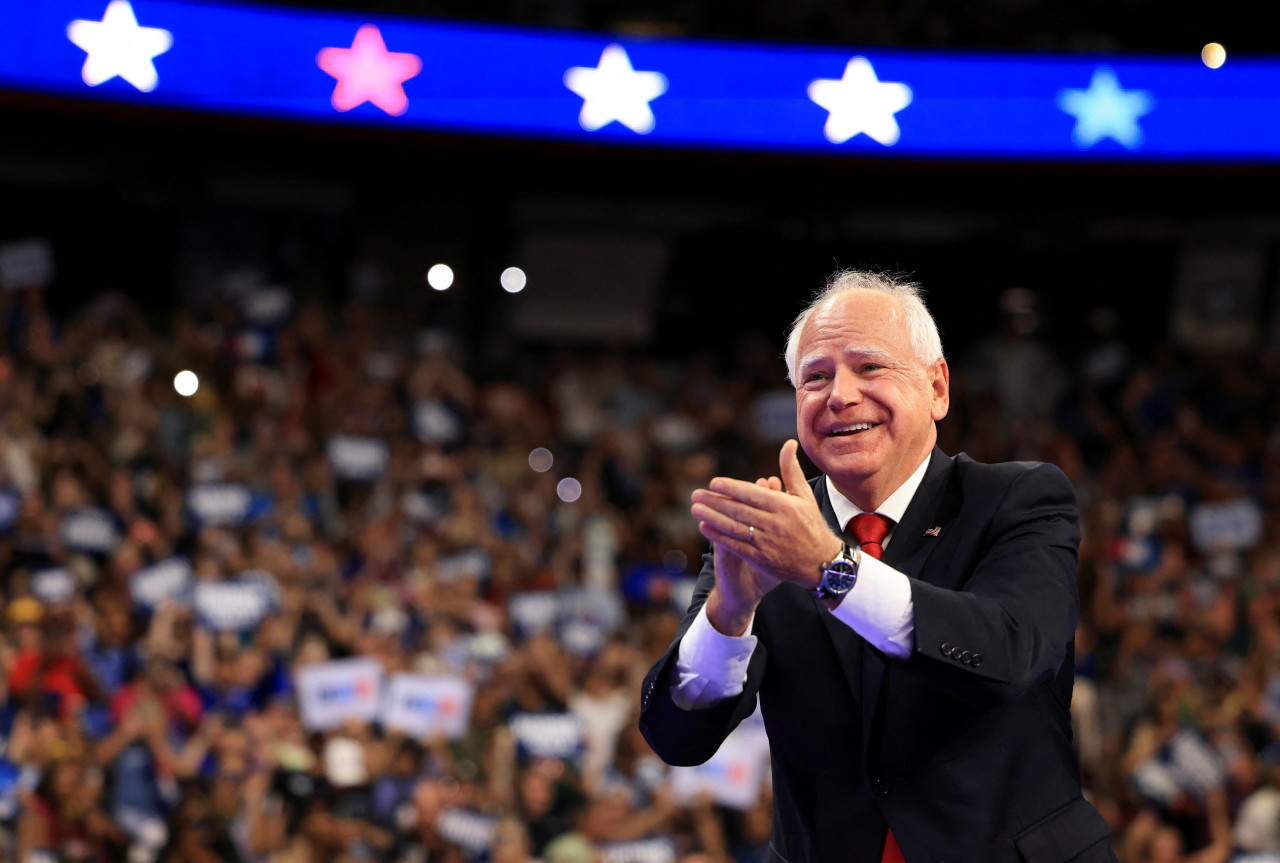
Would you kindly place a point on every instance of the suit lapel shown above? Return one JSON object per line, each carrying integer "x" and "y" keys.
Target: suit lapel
{"x": 933, "y": 506}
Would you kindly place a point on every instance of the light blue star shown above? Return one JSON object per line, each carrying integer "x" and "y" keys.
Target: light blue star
{"x": 1106, "y": 111}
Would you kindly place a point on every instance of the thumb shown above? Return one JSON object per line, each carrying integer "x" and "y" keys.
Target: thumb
{"x": 792, "y": 473}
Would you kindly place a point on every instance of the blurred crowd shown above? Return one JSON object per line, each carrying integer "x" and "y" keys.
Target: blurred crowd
{"x": 191, "y": 585}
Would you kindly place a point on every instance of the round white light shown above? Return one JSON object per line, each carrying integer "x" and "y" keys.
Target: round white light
{"x": 513, "y": 280}
{"x": 569, "y": 489}
{"x": 440, "y": 277}
{"x": 186, "y": 383}
{"x": 1213, "y": 55}
{"x": 541, "y": 459}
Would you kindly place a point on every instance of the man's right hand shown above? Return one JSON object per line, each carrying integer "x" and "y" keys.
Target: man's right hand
{"x": 737, "y": 592}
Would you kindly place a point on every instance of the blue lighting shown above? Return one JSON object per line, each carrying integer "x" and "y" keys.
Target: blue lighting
{"x": 428, "y": 75}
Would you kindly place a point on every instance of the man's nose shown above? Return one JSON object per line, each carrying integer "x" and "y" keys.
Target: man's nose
{"x": 846, "y": 390}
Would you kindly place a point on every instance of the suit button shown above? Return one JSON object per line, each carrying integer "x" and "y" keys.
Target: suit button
{"x": 946, "y": 648}
{"x": 966, "y": 657}
{"x": 880, "y": 788}
{"x": 977, "y": 660}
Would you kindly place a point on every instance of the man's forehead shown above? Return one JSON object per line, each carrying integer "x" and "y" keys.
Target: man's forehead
{"x": 860, "y": 302}
{"x": 859, "y": 317}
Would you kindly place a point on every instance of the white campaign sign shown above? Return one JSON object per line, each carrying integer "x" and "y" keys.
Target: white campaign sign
{"x": 732, "y": 775}
{"x": 656, "y": 850}
{"x": 469, "y": 830}
{"x": 534, "y": 611}
{"x": 53, "y": 585}
{"x": 219, "y": 503}
{"x": 425, "y": 705}
{"x": 360, "y": 459}
{"x": 1232, "y": 524}
{"x": 230, "y": 606}
{"x": 170, "y": 579}
{"x": 330, "y": 693}
{"x": 89, "y": 530}
{"x": 548, "y": 735}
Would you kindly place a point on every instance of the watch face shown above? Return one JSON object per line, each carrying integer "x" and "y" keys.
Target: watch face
{"x": 839, "y": 576}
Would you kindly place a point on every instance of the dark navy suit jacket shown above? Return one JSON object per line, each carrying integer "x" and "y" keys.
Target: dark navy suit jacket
{"x": 964, "y": 748}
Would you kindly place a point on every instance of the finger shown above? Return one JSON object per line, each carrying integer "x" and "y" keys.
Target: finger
{"x": 727, "y": 542}
{"x": 733, "y": 507}
{"x": 792, "y": 474}
{"x": 746, "y": 492}
{"x": 775, "y": 483}
{"x": 763, "y": 482}
{"x": 728, "y": 517}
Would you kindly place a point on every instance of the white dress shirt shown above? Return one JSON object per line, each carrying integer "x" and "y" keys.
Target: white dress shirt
{"x": 711, "y": 666}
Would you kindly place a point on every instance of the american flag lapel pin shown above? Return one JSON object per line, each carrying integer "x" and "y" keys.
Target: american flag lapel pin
{"x": 934, "y": 531}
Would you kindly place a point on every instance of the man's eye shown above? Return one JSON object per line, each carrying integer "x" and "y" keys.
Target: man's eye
{"x": 815, "y": 376}
{"x": 872, "y": 367}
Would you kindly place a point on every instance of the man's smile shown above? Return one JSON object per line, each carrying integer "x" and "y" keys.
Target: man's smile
{"x": 851, "y": 429}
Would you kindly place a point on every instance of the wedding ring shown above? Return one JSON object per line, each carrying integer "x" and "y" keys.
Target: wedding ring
{"x": 751, "y": 533}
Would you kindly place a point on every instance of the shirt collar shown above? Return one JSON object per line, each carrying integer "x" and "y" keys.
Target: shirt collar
{"x": 894, "y": 506}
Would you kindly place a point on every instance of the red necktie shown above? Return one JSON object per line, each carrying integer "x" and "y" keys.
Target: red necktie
{"x": 869, "y": 530}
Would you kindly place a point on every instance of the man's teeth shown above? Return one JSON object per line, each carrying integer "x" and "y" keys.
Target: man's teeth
{"x": 852, "y": 429}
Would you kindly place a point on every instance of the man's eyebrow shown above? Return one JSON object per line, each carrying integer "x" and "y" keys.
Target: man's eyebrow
{"x": 811, "y": 360}
{"x": 850, "y": 355}
{"x": 867, "y": 354}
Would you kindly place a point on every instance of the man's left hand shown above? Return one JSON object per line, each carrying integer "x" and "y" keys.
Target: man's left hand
{"x": 790, "y": 540}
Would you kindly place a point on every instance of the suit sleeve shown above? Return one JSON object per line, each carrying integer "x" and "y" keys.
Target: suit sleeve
{"x": 686, "y": 737}
{"x": 1010, "y": 624}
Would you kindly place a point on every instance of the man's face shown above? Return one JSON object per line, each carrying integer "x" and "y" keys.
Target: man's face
{"x": 865, "y": 404}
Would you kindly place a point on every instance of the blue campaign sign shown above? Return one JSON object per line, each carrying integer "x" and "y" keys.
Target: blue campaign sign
{"x": 373, "y": 69}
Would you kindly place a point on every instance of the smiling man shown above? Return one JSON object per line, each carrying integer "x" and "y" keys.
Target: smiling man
{"x": 905, "y": 620}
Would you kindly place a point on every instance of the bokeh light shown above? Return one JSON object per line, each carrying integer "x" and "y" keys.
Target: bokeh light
{"x": 541, "y": 459}
{"x": 186, "y": 383}
{"x": 513, "y": 280}
{"x": 440, "y": 277}
{"x": 569, "y": 489}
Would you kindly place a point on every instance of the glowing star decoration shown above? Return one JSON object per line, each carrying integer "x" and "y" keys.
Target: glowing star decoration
{"x": 613, "y": 90}
{"x": 368, "y": 72}
{"x": 117, "y": 46}
{"x": 860, "y": 103}
{"x": 1106, "y": 111}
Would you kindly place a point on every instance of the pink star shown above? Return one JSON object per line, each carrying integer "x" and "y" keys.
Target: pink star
{"x": 368, "y": 72}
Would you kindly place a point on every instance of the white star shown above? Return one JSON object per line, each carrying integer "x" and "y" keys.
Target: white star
{"x": 615, "y": 91}
{"x": 859, "y": 102}
{"x": 1106, "y": 111}
{"x": 116, "y": 45}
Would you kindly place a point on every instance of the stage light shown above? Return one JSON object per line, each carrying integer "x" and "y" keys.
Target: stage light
{"x": 186, "y": 383}
{"x": 541, "y": 459}
{"x": 513, "y": 280}
{"x": 440, "y": 277}
{"x": 569, "y": 489}
{"x": 1213, "y": 55}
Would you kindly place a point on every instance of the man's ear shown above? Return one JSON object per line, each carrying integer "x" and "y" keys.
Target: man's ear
{"x": 940, "y": 386}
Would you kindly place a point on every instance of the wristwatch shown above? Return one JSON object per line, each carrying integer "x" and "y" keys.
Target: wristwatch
{"x": 840, "y": 575}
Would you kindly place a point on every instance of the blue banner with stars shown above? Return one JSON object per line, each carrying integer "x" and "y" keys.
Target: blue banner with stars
{"x": 426, "y": 75}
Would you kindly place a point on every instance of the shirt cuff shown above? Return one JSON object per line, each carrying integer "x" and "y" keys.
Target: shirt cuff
{"x": 879, "y": 608}
{"x": 710, "y": 666}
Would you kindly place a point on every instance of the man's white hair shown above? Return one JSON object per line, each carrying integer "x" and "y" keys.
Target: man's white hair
{"x": 921, "y": 329}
